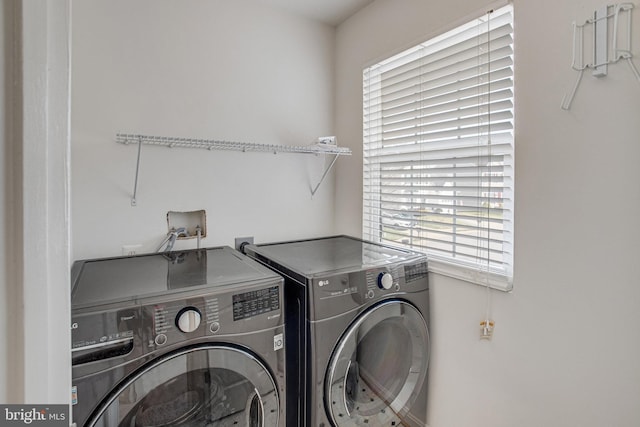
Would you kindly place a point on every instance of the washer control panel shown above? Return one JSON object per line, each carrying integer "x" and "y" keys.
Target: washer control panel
{"x": 231, "y": 313}
{"x": 253, "y": 303}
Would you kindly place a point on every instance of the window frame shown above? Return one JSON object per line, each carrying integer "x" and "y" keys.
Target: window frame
{"x": 482, "y": 271}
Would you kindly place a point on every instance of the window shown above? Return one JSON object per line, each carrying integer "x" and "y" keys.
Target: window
{"x": 438, "y": 150}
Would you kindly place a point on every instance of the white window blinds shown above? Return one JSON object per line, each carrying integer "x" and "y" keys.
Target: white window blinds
{"x": 438, "y": 149}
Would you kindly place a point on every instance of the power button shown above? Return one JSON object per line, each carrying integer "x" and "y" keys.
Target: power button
{"x": 161, "y": 339}
{"x": 214, "y": 327}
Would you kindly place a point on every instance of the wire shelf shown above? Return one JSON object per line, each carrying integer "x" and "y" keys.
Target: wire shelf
{"x": 212, "y": 144}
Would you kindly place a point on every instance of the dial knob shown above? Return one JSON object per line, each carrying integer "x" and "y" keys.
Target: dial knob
{"x": 188, "y": 319}
{"x": 385, "y": 281}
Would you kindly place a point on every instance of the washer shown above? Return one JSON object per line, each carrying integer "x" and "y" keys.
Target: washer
{"x": 357, "y": 328}
{"x": 194, "y": 338}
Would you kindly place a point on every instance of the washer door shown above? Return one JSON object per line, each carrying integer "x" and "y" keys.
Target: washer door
{"x": 379, "y": 367}
{"x": 202, "y": 386}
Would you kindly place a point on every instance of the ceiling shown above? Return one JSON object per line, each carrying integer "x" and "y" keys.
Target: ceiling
{"x": 331, "y": 12}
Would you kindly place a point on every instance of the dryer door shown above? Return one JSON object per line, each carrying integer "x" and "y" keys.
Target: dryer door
{"x": 379, "y": 367}
{"x": 201, "y": 386}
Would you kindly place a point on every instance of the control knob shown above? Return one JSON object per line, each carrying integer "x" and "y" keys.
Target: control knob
{"x": 188, "y": 319}
{"x": 385, "y": 280}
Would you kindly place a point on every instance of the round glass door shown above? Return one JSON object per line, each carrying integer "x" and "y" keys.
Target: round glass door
{"x": 379, "y": 367}
{"x": 203, "y": 386}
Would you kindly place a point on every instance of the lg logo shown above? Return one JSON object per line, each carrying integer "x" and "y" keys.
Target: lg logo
{"x": 74, "y": 325}
{"x": 322, "y": 283}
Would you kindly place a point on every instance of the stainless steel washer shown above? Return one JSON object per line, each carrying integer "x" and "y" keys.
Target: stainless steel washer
{"x": 192, "y": 338}
{"x": 358, "y": 331}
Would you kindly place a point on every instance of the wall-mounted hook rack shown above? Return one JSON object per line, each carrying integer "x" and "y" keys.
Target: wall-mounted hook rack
{"x": 212, "y": 144}
{"x": 604, "y": 41}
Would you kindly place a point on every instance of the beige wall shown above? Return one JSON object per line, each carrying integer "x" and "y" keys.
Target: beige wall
{"x": 238, "y": 71}
{"x": 565, "y": 349}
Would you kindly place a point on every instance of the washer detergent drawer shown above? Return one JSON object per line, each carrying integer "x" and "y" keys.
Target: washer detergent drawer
{"x": 101, "y": 336}
{"x": 206, "y": 385}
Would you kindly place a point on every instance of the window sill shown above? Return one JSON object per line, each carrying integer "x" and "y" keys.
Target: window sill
{"x": 470, "y": 274}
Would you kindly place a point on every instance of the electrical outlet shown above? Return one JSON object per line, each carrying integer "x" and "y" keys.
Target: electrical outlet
{"x": 241, "y": 241}
{"x": 130, "y": 250}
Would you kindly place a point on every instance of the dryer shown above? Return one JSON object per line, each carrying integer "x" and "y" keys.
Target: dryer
{"x": 193, "y": 338}
{"x": 358, "y": 331}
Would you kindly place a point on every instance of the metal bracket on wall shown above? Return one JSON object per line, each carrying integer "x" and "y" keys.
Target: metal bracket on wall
{"x": 604, "y": 41}
{"x": 324, "y": 175}
{"x": 211, "y": 144}
{"x": 135, "y": 182}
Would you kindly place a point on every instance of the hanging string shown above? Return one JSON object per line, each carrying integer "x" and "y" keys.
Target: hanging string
{"x": 480, "y": 123}
{"x": 484, "y": 164}
{"x": 489, "y": 161}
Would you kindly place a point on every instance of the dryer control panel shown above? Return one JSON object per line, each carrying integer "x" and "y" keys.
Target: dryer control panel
{"x": 333, "y": 295}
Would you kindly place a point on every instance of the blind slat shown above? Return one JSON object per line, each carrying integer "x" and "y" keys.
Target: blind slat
{"x": 458, "y": 68}
{"x": 473, "y": 36}
{"x": 413, "y": 119}
{"x": 450, "y": 93}
{"x": 397, "y": 143}
{"x": 427, "y": 165}
{"x": 429, "y": 129}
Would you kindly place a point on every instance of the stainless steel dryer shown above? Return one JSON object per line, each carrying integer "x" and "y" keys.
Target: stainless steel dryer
{"x": 357, "y": 328}
{"x": 190, "y": 338}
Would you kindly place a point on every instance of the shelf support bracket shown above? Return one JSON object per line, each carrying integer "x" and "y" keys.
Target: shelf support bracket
{"x": 324, "y": 175}
{"x": 135, "y": 183}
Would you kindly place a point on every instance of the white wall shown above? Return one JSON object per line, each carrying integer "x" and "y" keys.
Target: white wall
{"x": 43, "y": 236}
{"x": 239, "y": 71}
{"x": 566, "y": 348}
{"x": 6, "y": 77}
{"x": 35, "y": 337}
